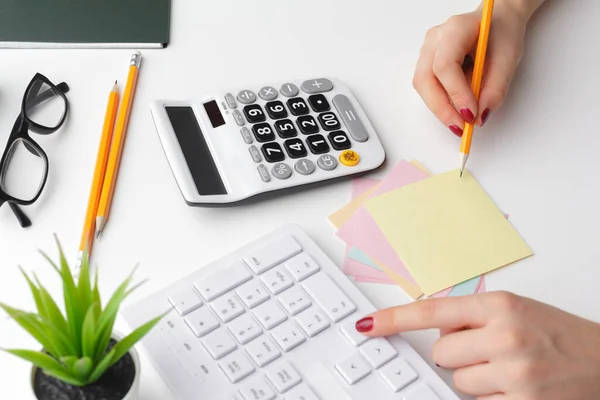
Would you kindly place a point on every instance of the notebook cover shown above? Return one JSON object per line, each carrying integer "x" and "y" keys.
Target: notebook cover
{"x": 81, "y": 22}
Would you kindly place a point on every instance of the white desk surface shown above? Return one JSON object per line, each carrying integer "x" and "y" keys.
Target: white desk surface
{"x": 538, "y": 157}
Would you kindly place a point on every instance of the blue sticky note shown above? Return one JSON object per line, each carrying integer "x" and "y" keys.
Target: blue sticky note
{"x": 465, "y": 288}
{"x": 358, "y": 255}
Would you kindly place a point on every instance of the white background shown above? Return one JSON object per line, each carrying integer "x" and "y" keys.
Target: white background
{"x": 538, "y": 157}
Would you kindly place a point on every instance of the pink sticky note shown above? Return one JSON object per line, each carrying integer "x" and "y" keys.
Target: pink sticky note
{"x": 481, "y": 286}
{"x": 362, "y": 232}
{"x": 361, "y": 185}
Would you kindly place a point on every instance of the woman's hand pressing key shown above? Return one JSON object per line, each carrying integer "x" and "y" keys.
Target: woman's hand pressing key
{"x": 503, "y": 346}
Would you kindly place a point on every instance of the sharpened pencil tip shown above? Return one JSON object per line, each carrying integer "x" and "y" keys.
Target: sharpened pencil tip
{"x": 98, "y": 234}
{"x": 461, "y": 173}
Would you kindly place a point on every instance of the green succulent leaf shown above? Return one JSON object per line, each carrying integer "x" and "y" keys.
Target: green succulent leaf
{"x": 83, "y": 368}
{"x": 65, "y": 376}
{"x": 124, "y": 345}
{"x": 88, "y": 335}
{"x": 96, "y": 294}
{"x": 35, "y": 293}
{"x": 68, "y": 361}
{"x": 53, "y": 314}
{"x": 102, "y": 366}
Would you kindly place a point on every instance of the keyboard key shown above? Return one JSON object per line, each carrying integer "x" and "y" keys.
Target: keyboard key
{"x": 312, "y": 322}
{"x": 353, "y": 369}
{"x": 317, "y": 144}
{"x": 276, "y": 252}
{"x": 327, "y": 162}
{"x": 258, "y": 389}
{"x": 263, "y": 132}
{"x": 294, "y": 300}
{"x": 268, "y": 93}
{"x": 254, "y": 113}
{"x": 276, "y": 280}
{"x": 318, "y": 103}
{"x": 301, "y": 392}
{"x": 252, "y": 294}
{"x": 237, "y": 366}
{"x": 320, "y": 85}
{"x": 272, "y": 152}
{"x": 264, "y": 173}
{"x": 307, "y": 125}
{"x": 356, "y": 129}
{"x": 269, "y": 314}
{"x": 339, "y": 140}
{"x": 185, "y": 300}
{"x": 398, "y": 374}
{"x": 288, "y": 336}
{"x": 378, "y": 351}
{"x": 329, "y": 297}
{"x": 354, "y": 337}
{"x": 285, "y": 129}
{"x": 289, "y": 90}
{"x": 422, "y": 393}
{"x": 244, "y": 329}
{"x": 295, "y": 148}
{"x": 219, "y": 343}
{"x": 224, "y": 280}
{"x": 283, "y": 376}
{"x": 246, "y": 97}
{"x": 302, "y": 266}
{"x": 298, "y": 106}
{"x": 202, "y": 321}
{"x": 304, "y": 167}
{"x": 281, "y": 171}
{"x": 227, "y": 307}
{"x": 263, "y": 351}
{"x": 276, "y": 110}
{"x": 329, "y": 121}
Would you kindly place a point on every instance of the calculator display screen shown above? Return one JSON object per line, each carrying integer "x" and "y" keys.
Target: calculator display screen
{"x": 196, "y": 152}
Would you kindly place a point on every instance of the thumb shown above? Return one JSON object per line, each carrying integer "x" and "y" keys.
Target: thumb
{"x": 443, "y": 313}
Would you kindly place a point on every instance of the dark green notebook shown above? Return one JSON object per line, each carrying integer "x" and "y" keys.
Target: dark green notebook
{"x": 84, "y": 23}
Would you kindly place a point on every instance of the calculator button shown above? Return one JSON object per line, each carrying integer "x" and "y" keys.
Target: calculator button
{"x": 276, "y": 280}
{"x": 289, "y": 90}
{"x": 298, "y": 106}
{"x": 294, "y": 300}
{"x": 327, "y": 163}
{"x": 252, "y": 294}
{"x": 318, "y": 103}
{"x": 237, "y": 367}
{"x": 255, "y": 154}
{"x": 329, "y": 121}
{"x": 263, "y": 351}
{"x": 272, "y": 152}
{"x": 185, "y": 301}
{"x": 346, "y": 110}
{"x": 302, "y": 266}
{"x": 295, "y": 148}
{"x": 304, "y": 167}
{"x": 288, "y": 336}
{"x": 313, "y": 321}
{"x": 349, "y": 158}
{"x": 317, "y": 144}
{"x": 378, "y": 351}
{"x": 398, "y": 374}
{"x": 269, "y": 314}
{"x": 230, "y": 100}
{"x": 264, "y": 173}
{"x": 339, "y": 140}
{"x": 244, "y": 329}
{"x": 268, "y": 93}
{"x": 239, "y": 118}
{"x": 276, "y": 110}
{"x": 254, "y": 113}
{"x": 353, "y": 369}
{"x": 285, "y": 128}
{"x": 202, "y": 321}
{"x": 263, "y": 132}
{"x": 307, "y": 125}
{"x": 246, "y": 97}
{"x": 246, "y": 135}
{"x": 281, "y": 171}
{"x": 258, "y": 389}
{"x": 227, "y": 307}
{"x": 320, "y": 85}
{"x": 219, "y": 343}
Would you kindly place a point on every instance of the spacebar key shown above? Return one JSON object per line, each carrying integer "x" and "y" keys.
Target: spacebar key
{"x": 223, "y": 281}
{"x": 350, "y": 117}
{"x": 329, "y": 296}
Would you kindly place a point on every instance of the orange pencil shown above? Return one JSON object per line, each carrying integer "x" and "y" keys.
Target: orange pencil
{"x": 116, "y": 149}
{"x": 87, "y": 236}
{"x": 482, "y": 42}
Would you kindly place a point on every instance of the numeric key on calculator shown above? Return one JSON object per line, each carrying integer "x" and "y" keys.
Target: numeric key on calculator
{"x": 317, "y": 144}
{"x": 329, "y": 121}
{"x": 285, "y": 128}
{"x": 263, "y": 132}
{"x": 276, "y": 110}
{"x": 295, "y": 148}
{"x": 339, "y": 140}
{"x": 318, "y": 103}
{"x": 254, "y": 113}
{"x": 307, "y": 125}
{"x": 272, "y": 152}
{"x": 298, "y": 106}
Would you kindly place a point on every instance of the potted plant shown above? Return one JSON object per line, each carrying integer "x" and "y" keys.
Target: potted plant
{"x": 82, "y": 358}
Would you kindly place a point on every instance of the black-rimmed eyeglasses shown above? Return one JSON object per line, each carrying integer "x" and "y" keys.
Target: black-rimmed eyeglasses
{"x": 24, "y": 165}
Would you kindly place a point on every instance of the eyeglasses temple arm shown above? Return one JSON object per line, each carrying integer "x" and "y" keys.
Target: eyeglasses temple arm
{"x": 24, "y": 221}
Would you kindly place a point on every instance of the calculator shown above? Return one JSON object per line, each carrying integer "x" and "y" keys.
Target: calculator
{"x": 240, "y": 143}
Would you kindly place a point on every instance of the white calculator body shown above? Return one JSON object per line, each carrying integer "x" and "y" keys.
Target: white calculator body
{"x": 276, "y": 320}
{"x": 240, "y": 143}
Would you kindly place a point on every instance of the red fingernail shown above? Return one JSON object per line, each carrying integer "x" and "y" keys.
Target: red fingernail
{"x": 485, "y": 115}
{"x": 467, "y": 115}
{"x": 456, "y": 130}
{"x": 365, "y": 324}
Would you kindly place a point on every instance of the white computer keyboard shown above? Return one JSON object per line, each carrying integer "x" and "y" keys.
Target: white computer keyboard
{"x": 275, "y": 320}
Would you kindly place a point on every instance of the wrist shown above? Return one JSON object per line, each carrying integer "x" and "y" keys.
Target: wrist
{"x": 521, "y": 9}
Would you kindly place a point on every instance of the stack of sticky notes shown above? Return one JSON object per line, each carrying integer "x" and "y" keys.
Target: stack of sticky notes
{"x": 430, "y": 235}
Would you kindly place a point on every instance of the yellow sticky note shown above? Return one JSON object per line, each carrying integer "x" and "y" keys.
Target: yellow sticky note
{"x": 446, "y": 230}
